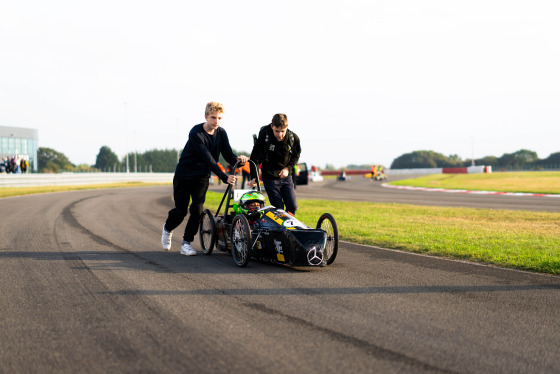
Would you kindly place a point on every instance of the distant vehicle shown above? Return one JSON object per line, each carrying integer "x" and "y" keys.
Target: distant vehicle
{"x": 380, "y": 176}
{"x": 343, "y": 177}
{"x": 315, "y": 175}
{"x": 377, "y": 173}
{"x": 302, "y": 177}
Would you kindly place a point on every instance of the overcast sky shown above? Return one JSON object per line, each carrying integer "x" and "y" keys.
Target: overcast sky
{"x": 361, "y": 81}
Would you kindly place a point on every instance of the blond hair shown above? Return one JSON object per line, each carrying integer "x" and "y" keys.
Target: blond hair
{"x": 213, "y": 107}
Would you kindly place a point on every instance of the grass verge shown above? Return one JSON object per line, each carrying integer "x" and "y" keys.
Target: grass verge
{"x": 543, "y": 182}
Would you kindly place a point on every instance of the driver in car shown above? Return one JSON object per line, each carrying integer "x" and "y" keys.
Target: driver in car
{"x": 249, "y": 204}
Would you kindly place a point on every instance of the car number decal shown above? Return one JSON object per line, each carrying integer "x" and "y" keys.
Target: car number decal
{"x": 285, "y": 220}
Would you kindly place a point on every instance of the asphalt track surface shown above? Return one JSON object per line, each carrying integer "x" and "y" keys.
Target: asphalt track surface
{"x": 85, "y": 287}
{"x": 362, "y": 189}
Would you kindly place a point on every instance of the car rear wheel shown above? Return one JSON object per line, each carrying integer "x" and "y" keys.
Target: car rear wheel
{"x": 241, "y": 240}
{"x": 328, "y": 224}
{"x": 207, "y": 232}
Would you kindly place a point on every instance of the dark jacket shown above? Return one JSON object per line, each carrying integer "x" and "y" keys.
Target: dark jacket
{"x": 201, "y": 154}
{"x": 278, "y": 155}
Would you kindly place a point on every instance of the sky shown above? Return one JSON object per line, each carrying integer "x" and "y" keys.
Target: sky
{"x": 361, "y": 81}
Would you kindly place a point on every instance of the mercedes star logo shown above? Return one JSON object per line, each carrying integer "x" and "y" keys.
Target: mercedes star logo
{"x": 314, "y": 256}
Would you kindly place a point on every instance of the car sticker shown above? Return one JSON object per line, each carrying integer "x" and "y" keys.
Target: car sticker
{"x": 279, "y": 250}
{"x": 274, "y": 217}
{"x": 285, "y": 220}
{"x": 293, "y": 224}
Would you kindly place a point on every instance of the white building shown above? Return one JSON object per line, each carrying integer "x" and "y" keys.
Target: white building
{"x": 20, "y": 141}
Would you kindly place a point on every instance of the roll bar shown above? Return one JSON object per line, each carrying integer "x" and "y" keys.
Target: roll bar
{"x": 229, "y": 190}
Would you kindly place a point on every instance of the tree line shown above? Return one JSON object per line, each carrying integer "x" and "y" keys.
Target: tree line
{"x": 164, "y": 161}
{"x": 520, "y": 160}
{"x": 155, "y": 160}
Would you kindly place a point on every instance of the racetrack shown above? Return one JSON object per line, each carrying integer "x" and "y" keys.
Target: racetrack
{"x": 85, "y": 287}
{"x": 364, "y": 189}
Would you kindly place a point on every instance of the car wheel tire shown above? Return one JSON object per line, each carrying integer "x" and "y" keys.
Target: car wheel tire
{"x": 327, "y": 223}
{"x": 241, "y": 240}
{"x": 207, "y": 232}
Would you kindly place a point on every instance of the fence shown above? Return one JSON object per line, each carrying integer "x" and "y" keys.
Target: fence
{"x": 65, "y": 179}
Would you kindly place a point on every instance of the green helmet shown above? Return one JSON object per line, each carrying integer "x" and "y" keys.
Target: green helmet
{"x": 249, "y": 197}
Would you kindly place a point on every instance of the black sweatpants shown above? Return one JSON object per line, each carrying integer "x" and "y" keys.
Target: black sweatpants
{"x": 183, "y": 191}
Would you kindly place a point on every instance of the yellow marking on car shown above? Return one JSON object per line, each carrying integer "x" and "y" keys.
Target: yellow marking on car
{"x": 274, "y": 218}
{"x": 280, "y": 257}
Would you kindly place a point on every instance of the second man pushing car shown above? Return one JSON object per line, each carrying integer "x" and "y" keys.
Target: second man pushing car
{"x": 277, "y": 148}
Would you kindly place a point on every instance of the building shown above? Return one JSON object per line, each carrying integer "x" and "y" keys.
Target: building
{"x": 20, "y": 141}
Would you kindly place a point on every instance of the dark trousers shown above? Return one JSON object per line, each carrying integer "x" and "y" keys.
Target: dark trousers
{"x": 183, "y": 191}
{"x": 281, "y": 192}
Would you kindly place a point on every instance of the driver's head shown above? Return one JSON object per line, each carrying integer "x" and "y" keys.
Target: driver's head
{"x": 251, "y": 200}
{"x": 250, "y": 203}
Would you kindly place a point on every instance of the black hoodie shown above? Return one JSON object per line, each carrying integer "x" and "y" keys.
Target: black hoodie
{"x": 278, "y": 155}
{"x": 201, "y": 154}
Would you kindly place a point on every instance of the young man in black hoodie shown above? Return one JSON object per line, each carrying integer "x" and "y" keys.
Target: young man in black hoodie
{"x": 278, "y": 150}
{"x": 199, "y": 158}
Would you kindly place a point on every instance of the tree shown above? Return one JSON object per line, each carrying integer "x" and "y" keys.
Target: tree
{"x": 358, "y": 167}
{"x": 106, "y": 159}
{"x": 526, "y": 157}
{"x": 488, "y": 161}
{"x": 521, "y": 159}
{"x": 518, "y": 160}
{"x": 552, "y": 160}
{"x": 85, "y": 168}
{"x": 418, "y": 159}
{"x": 455, "y": 158}
{"x": 51, "y": 161}
{"x": 160, "y": 161}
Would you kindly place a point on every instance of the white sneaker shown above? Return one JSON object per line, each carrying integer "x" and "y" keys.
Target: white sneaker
{"x": 166, "y": 238}
{"x": 187, "y": 249}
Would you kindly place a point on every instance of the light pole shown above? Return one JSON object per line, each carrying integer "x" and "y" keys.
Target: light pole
{"x": 472, "y": 151}
{"x": 177, "y": 136}
{"x": 126, "y": 134}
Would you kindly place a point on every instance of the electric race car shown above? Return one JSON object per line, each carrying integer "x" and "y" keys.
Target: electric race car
{"x": 266, "y": 233}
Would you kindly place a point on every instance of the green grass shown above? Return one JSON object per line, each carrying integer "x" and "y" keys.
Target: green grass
{"x": 515, "y": 239}
{"x": 545, "y": 182}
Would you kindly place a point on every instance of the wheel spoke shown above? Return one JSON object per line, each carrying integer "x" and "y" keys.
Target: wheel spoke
{"x": 207, "y": 232}
{"x": 240, "y": 240}
{"x": 328, "y": 225}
